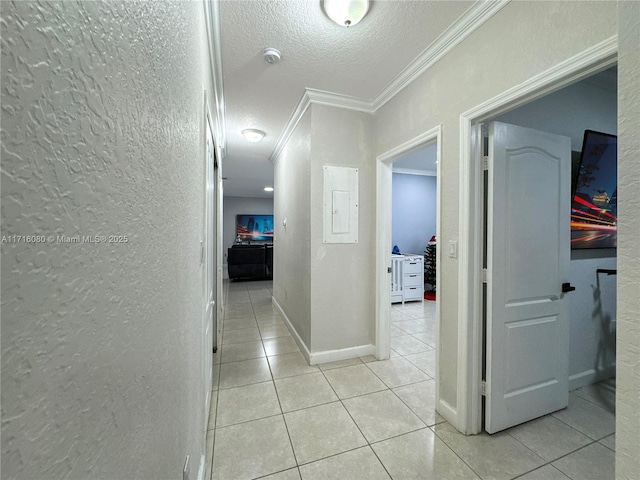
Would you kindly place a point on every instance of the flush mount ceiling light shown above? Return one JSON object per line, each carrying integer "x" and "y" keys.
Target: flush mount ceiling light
{"x": 346, "y": 13}
{"x": 253, "y": 135}
{"x": 268, "y": 189}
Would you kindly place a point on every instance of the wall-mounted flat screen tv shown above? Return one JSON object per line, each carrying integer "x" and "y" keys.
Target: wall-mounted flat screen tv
{"x": 594, "y": 209}
{"x": 254, "y": 228}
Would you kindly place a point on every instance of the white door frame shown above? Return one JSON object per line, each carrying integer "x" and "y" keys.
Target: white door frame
{"x": 593, "y": 60}
{"x": 383, "y": 237}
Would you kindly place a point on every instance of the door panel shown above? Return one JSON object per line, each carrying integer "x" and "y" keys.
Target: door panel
{"x": 528, "y": 248}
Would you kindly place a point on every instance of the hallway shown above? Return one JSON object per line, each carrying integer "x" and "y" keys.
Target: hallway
{"x": 274, "y": 416}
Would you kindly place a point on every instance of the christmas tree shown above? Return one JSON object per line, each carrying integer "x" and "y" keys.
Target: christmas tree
{"x": 430, "y": 263}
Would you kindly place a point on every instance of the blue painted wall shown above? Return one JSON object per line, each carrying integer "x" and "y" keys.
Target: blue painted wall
{"x": 413, "y": 211}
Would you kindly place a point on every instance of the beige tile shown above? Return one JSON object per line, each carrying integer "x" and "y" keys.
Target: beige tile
{"x": 359, "y": 464}
{"x": 396, "y": 372}
{"x": 428, "y": 337}
{"x": 382, "y": 415}
{"x": 208, "y": 458}
{"x": 240, "y": 336}
{"x": 250, "y": 402}
{"x": 421, "y": 455}
{"x": 548, "y": 472}
{"x": 339, "y": 364}
{"x": 304, "y": 391}
{"x": 241, "y": 351}
{"x": 425, "y": 361}
{"x": 280, "y": 345}
{"x": 291, "y": 474}
{"x": 490, "y": 456}
{"x": 239, "y": 323}
{"x": 587, "y": 418}
{"x": 252, "y": 449}
{"x": 320, "y": 432}
{"x": 245, "y": 372}
{"x": 413, "y": 326}
{"x": 609, "y": 442}
{"x": 270, "y": 320}
{"x": 421, "y": 399}
{"x": 368, "y": 359}
{"x": 274, "y": 331}
{"x": 594, "y": 462}
{"x": 213, "y": 410}
{"x": 408, "y": 344}
{"x": 396, "y": 332}
{"x": 602, "y": 394}
{"x": 215, "y": 381}
{"x": 549, "y": 437}
{"x": 289, "y": 365}
{"x": 353, "y": 381}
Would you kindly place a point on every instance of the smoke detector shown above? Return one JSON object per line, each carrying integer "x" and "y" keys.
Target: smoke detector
{"x": 271, "y": 55}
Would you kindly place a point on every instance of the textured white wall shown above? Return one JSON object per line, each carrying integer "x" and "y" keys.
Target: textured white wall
{"x": 523, "y": 39}
{"x": 342, "y": 275}
{"x": 628, "y": 340}
{"x": 102, "y": 134}
{"x": 292, "y": 256}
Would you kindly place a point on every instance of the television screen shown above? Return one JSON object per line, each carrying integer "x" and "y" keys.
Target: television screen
{"x": 594, "y": 208}
{"x": 255, "y": 228}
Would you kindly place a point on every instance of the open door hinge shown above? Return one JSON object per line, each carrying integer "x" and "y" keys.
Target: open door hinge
{"x": 485, "y": 163}
{"x": 483, "y": 388}
{"x": 484, "y": 275}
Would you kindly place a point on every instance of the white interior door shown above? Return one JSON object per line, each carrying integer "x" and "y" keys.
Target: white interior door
{"x": 528, "y": 249}
{"x": 209, "y": 260}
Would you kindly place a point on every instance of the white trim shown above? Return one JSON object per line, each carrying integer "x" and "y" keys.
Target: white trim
{"x": 212, "y": 22}
{"x": 472, "y": 19}
{"x": 338, "y": 100}
{"x": 410, "y": 171}
{"x": 383, "y": 249}
{"x": 294, "y": 333}
{"x": 592, "y": 60}
{"x": 291, "y": 125}
{"x": 327, "y": 356}
{"x": 591, "y": 376}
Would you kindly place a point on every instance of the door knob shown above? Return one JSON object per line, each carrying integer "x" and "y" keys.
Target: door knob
{"x": 567, "y": 287}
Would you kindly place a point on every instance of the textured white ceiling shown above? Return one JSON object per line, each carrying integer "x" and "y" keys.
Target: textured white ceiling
{"x": 316, "y": 53}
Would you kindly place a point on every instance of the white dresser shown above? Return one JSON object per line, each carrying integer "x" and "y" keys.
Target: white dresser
{"x": 407, "y": 278}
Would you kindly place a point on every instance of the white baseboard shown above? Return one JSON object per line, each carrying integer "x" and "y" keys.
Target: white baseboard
{"x": 591, "y": 376}
{"x": 324, "y": 356}
{"x": 449, "y": 413}
{"x": 294, "y": 333}
{"x": 327, "y": 356}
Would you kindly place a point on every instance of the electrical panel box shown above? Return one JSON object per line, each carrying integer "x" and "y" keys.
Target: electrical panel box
{"x": 340, "y": 215}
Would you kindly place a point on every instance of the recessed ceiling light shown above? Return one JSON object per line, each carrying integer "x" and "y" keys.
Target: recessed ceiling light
{"x": 253, "y": 135}
{"x": 268, "y": 189}
{"x": 346, "y": 13}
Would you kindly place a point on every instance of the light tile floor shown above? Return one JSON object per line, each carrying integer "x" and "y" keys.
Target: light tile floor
{"x": 275, "y": 417}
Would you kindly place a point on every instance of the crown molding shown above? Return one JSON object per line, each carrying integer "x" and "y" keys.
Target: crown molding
{"x": 290, "y": 126}
{"x": 456, "y": 33}
{"x": 212, "y": 22}
{"x": 347, "y": 102}
{"x": 473, "y": 18}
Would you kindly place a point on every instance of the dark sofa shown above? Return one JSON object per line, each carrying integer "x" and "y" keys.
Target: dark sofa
{"x": 250, "y": 262}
